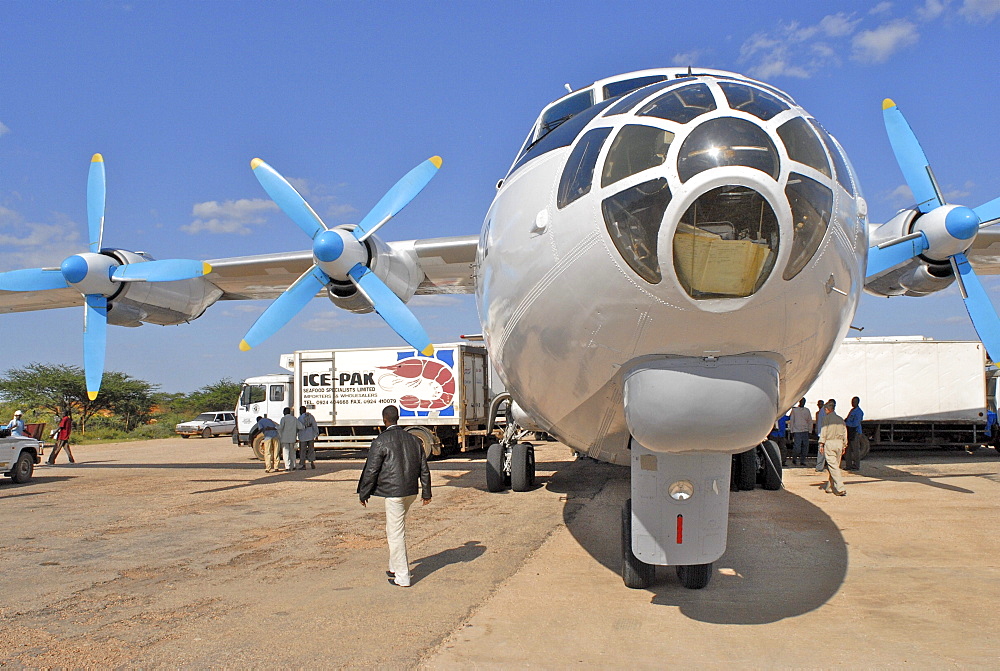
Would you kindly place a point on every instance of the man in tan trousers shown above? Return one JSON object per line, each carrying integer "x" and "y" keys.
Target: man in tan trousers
{"x": 832, "y": 441}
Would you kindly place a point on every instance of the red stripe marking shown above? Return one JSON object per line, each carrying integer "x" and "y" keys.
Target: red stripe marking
{"x": 680, "y": 529}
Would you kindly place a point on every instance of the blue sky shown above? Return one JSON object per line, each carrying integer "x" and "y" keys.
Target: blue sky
{"x": 345, "y": 97}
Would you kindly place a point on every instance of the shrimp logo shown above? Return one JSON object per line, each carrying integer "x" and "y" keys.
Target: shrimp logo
{"x": 423, "y": 384}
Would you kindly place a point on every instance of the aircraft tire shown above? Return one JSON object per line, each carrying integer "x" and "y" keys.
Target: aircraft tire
{"x": 772, "y": 466}
{"x": 496, "y": 480}
{"x": 746, "y": 470}
{"x": 522, "y": 467}
{"x": 636, "y": 574}
{"x": 23, "y": 468}
{"x": 694, "y": 576}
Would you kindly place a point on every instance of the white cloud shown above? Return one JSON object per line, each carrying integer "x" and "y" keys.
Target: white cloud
{"x": 901, "y": 195}
{"x": 3, "y": 129}
{"x": 686, "y": 58}
{"x": 877, "y": 45}
{"x": 31, "y": 245}
{"x": 932, "y": 9}
{"x": 435, "y": 300}
{"x": 978, "y": 10}
{"x": 336, "y": 319}
{"x": 324, "y": 201}
{"x": 794, "y": 50}
{"x": 880, "y": 8}
{"x": 231, "y": 216}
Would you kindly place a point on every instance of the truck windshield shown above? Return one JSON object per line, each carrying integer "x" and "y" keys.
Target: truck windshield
{"x": 252, "y": 393}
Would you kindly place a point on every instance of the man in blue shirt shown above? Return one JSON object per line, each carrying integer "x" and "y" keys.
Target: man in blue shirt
{"x": 270, "y": 430}
{"x": 853, "y": 421}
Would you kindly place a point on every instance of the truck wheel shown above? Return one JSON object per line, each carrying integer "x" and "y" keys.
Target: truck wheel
{"x": 636, "y": 574}
{"x": 496, "y": 481}
{"x": 772, "y": 465}
{"x": 207, "y": 433}
{"x": 257, "y": 443}
{"x": 694, "y": 576}
{"x": 23, "y": 468}
{"x": 522, "y": 467}
{"x": 746, "y": 470}
{"x": 426, "y": 439}
{"x": 184, "y": 435}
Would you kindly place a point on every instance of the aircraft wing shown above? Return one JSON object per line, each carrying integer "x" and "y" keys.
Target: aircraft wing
{"x": 447, "y": 264}
{"x": 27, "y": 301}
{"x": 984, "y": 255}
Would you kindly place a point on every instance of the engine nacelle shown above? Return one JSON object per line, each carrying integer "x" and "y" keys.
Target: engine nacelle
{"x": 919, "y": 276}
{"x": 396, "y": 267}
{"x": 163, "y": 303}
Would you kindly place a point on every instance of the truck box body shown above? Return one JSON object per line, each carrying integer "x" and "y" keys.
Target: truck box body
{"x": 913, "y": 390}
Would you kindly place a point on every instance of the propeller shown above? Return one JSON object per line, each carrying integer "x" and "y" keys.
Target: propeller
{"x": 339, "y": 254}
{"x": 941, "y": 231}
{"x": 98, "y": 276}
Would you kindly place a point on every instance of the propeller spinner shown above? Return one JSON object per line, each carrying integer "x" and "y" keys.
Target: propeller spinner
{"x": 339, "y": 254}
{"x": 97, "y": 276}
{"x": 941, "y": 232}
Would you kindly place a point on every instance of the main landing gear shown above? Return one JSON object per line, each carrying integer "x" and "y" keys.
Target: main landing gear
{"x": 510, "y": 463}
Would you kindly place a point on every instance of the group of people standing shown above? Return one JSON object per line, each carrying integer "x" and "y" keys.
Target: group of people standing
{"x": 839, "y": 439}
{"x": 286, "y": 433}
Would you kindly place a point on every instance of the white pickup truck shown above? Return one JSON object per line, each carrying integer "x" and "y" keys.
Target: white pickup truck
{"x": 18, "y": 456}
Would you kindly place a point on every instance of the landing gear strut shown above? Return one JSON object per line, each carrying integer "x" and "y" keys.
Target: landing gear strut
{"x": 510, "y": 462}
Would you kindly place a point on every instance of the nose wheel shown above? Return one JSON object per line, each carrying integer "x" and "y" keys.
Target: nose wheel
{"x": 512, "y": 466}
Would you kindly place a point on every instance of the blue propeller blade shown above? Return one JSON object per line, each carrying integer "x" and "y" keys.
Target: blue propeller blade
{"x": 988, "y": 211}
{"x": 95, "y": 336}
{"x": 398, "y": 197}
{"x": 168, "y": 270}
{"x": 882, "y": 259}
{"x": 95, "y": 202}
{"x": 32, "y": 279}
{"x": 287, "y": 198}
{"x": 910, "y": 157}
{"x": 980, "y": 308}
{"x": 285, "y": 306}
{"x": 392, "y": 310}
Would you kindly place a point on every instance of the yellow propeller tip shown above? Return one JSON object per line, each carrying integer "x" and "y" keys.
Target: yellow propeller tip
{"x": 254, "y": 163}
{"x": 206, "y": 268}
{"x": 244, "y": 346}
{"x": 436, "y": 160}
{"x": 428, "y": 351}
{"x": 92, "y": 395}
{"x": 97, "y": 158}
{"x": 887, "y": 103}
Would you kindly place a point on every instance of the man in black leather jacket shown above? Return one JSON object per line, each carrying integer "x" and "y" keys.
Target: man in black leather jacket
{"x": 395, "y": 469}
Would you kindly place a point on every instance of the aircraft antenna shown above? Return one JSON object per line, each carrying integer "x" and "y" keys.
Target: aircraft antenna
{"x": 569, "y": 89}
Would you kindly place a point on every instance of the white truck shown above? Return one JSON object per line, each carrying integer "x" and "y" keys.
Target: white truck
{"x": 18, "y": 456}
{"x": 915, "y": 391}
{"x": 443, "y": 399}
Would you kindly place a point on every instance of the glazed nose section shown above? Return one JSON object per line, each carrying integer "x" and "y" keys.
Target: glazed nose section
{"x": 688, "y": 404}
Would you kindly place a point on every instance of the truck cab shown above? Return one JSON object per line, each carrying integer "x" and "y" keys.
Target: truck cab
{"x": 18, "y": 456}
{"x": 261, "y": 395}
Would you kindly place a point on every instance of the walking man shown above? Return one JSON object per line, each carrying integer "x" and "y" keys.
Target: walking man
{"x": 270, "y": 430}
{"x": 288, "y": 433}
{"x": 799, "y": 424}
{"x": 832, "y": 440}
{"x": 62, "y": 438}
{"x": 396, "y": 469}
{"x": 820, "y": 457}
{"x": 852, "y": 461}
{"x": 307, "y": 438}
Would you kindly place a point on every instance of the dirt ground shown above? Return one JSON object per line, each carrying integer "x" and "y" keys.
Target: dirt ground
{"x": 185, "y": 553}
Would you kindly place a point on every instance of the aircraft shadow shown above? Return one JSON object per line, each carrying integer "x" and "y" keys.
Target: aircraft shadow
{"x": 779, "y": 543}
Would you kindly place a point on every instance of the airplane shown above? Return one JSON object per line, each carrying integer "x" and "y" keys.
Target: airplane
{"x": 669, "y": 262}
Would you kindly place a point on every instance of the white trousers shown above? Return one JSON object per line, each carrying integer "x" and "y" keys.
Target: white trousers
{"x": 396, "y": 508}
{"x": 288, "y": 453}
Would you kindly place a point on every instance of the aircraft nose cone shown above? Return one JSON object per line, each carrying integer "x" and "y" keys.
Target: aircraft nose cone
{"x": 328, "y": 246}
{"x": 962, "y": 223}
{"x": 74, "y": 269}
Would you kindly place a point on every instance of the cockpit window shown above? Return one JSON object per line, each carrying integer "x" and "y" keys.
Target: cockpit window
{"x": 563, "y": 111}
{"x": 633, "y": 218}
{"x": 812, "y": 206}
{"x": 681, "y": 105}
{"x": 726, "y": 243}
{"x": 578, "y": 175}
{"x": 636, "y": 148}
{"x": 752, "y": 100}
{"x": 632, "y": 99}
{"x": 803, "y": 145}
{"x": 615, "y": 89}
{"x": 777, "y": 92}
{"x": 843, "y": 174}
{"x": 727, "y": 141}
{"x": 562, "y": 136}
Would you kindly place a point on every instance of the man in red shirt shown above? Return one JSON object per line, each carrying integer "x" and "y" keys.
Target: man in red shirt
{"x": 62, "y": 438}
